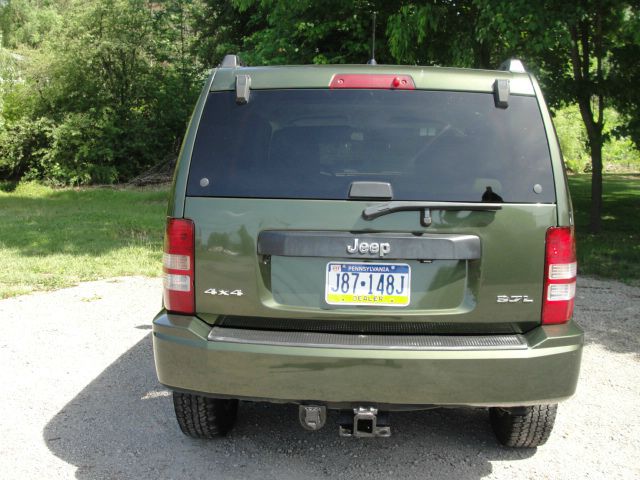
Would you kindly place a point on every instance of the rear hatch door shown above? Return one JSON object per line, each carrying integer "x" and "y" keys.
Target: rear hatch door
{"x": 371, "y": 211}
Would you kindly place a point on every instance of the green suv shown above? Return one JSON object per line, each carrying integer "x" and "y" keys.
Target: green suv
{"x": 369, "y": 239}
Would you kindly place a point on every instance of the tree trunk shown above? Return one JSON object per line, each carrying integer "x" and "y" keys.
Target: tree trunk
{"x": 595, "y": 216}
{"x": 588, "y": 91}
{"x": 595, "y": 138}
{"x": 594, "y": 134}
{"x": 482, "y": 56}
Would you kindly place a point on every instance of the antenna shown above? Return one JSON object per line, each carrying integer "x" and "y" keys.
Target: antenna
{"x": 373, "y": 42}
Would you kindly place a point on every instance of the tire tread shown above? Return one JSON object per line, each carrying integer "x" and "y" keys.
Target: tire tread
{"x": 524, "y": 431}
{"x": 203, "y": 417}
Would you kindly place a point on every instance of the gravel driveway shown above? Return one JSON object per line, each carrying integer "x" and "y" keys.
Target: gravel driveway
{"x": 80, "y": 398}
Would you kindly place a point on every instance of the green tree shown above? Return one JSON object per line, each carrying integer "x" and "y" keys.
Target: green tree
{"x": 626, "y": 73}
{"x": 446, "y": 33}
{"x": 220, "y": 27}
{"x": 101, "y": 89}
{"x": 116, "y": 81}
{"x": 271, "y": 32}
{"x": 26, "y": 23}
{"x": 573, "y": 46}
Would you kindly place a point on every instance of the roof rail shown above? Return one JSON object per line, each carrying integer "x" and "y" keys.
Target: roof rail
{"x": 232, "y": 61}
{"x": 512, "y": 65}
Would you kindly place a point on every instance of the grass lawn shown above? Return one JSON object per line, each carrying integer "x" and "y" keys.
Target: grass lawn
{"x": 615, "y": 252}
{"x": 55, "y": 238}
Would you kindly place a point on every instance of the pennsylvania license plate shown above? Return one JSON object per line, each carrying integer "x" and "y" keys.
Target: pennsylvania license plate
{"x": 386, "y": 284}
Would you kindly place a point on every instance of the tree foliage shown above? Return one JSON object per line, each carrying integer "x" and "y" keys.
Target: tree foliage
{"x": 445, "y": 33}
{"x": 116, "y": 81}
{"x": 28, "y": 23}
{"x": 98, "y": 90}
{"x": 294, "y": 32}
{"x": 573, "y": 46}
{"x": 625, "y": 72}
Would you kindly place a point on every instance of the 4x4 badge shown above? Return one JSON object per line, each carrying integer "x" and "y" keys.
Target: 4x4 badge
{"x": 224, "y": 293}
{"x": 363, "y": 247}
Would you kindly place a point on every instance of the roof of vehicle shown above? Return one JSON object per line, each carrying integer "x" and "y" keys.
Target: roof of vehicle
{"x": 319, "y": 76}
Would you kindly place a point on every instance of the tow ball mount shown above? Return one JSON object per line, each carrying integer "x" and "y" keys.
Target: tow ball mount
{"x": 366, "y": 422}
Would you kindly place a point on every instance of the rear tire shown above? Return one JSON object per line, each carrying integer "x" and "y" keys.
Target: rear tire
{"x": 203, "y": 417}
{"x": 528, "y": 427}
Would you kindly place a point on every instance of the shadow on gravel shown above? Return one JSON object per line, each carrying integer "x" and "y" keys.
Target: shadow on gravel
{"x": 608, "y": 312}
{"x": 122, "y": 426}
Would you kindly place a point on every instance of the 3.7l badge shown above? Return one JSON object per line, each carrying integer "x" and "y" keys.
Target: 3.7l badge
{"x": 514, "y": 299}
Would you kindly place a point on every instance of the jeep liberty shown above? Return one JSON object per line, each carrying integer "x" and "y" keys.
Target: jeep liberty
{"x": 369, "y": 239}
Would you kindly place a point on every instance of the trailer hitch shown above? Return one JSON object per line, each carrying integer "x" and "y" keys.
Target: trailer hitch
{"x": 365, "y": 423}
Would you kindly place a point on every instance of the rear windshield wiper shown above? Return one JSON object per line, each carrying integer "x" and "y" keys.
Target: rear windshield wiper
{"x": 381, "y": 209}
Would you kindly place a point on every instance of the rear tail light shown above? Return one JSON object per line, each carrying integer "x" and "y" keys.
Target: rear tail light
{"x": 177, "y": 265}
{"x": 559, "y": 275}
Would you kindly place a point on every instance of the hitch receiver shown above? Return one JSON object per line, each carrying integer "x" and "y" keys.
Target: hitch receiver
{"x": 366, "y": 424}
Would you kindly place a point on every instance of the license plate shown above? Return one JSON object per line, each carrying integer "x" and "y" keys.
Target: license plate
{"x": 386, "y": 284}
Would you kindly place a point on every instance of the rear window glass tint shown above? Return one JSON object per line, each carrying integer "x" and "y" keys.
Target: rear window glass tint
{"x": 429, "y": 145}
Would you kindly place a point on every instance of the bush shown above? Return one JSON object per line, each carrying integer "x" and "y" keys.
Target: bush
{"x": 80, "y": 151}
{"x": 24, "y": 146}
{"x": 114, "y": 81}
{"x": 76, "y": 151}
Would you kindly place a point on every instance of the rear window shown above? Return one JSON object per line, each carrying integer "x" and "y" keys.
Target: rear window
{"x": 429, "y": 145}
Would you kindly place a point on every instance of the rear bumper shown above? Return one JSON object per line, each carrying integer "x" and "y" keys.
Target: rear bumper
{"x": 542, "y": 368}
